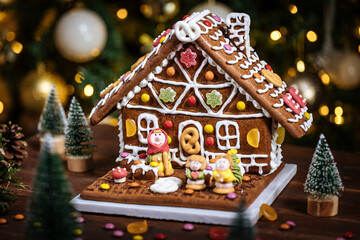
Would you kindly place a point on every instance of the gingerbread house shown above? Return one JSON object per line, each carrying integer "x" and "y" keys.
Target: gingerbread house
{"x": 204, "y": 74}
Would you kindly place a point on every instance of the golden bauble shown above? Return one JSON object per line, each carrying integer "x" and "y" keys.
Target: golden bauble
{"x": 5, "y": 101}
{"x": 160, "y": 10}
{"x": 36, "y": 86}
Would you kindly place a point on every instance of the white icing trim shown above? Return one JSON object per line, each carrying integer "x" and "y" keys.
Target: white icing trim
{"x": 307, "y": 124}
{"x": 227, "y": 137}
{"x": 149, "y": 118}
{"x": 198, "y": 125}
{"x": 121, "y": 134}
{"x": 242, "y": 27}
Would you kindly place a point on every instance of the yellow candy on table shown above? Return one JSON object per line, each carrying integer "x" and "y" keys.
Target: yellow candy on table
{"x": 307, "y": 115}
{"x": 169, "y": 139}
{"x": 240, "y": 105}
{"x": 145, "y": 97}
{"x": 253, "y": 137}
{"x": 130, "y": 127}
{"x": 209, "y": 128}
{"x": 281, "y": 135}
{"x": 154, "y": 164}
{"x": 268, "y": 212}
{"x": 138, "y": 237}
{"x": 105, "y": 186}
{"x": 137, "y": 227}
{"x": 77, "y": 231}
{"x": 37, "y": 224}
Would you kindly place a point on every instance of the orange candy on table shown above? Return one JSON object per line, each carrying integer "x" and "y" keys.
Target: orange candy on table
{"x": 19, "y": 217}
{"x": 137, "y": 227}
{"x": 268, "y": 212}
{"x": 3, "y": 221}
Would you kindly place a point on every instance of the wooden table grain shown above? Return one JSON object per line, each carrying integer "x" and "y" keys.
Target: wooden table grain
{"x": 290, "y": 205}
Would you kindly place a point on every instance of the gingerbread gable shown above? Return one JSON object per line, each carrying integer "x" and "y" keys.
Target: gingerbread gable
{"x": 225, "y": 46}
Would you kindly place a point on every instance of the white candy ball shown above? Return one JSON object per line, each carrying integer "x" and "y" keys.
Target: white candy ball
{"x": 80, "y": 35}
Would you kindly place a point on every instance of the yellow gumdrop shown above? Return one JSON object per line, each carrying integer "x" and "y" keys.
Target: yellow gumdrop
{"x": 307, "y": 115}
{"x": 237, "y": 161}
{"x": 209, "y": 128}
{"x": 145, "y": 97}
{"x": 105, "y": 186}
{"x": 130, "y": 127}
{"x": 162, "y": 39}
{"x": 77, "y": 231}
{"x": 232, "y": 151}
{"x": 253, "y": 137}
{"x": 154, "y": 164}
{"x": 169, "y": 139}
{"x": 281, "y": 135}
{"x": 268, "y": 212}
{"x": 240, "y": 105}
{"x": 138, "y": 237}
{"x": 137, "y": 227}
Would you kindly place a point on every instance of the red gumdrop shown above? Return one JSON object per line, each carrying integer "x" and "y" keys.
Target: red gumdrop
{"x": 207, "y": 23}
{"x": 168, "y": 124}
{"x": 142, "y": 155}
{"x": 268, "y": 67}
{"x": 191, "y": 100}
{"x": 349, "y": 235}
{"x": 160, "y": 236}
{"x": 218, "y": 233}
{"x": 209, "y": 141}
{"x": 185, "y": 17}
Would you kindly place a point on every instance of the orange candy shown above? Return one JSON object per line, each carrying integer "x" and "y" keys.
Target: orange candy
{"x": 19, "y": 217}
{"x": 3, "y": 221}
{"x": 268, "y": 212}
{"x": 246, "y": 178}
{"x": 170, "y": 71}
{"x": 137, "y": 227}
{"x": 209, "y": 75}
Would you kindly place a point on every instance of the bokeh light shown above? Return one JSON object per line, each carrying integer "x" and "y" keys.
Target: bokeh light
{"x": 293, "y": 9}
{"x": 324, "y": 110}
{"x": 122, "y": 13}
{"x": 88, "y": 90}
{"x": 275, "y": 35}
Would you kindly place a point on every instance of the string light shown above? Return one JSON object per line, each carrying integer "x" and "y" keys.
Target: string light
{"x": 122, "y": 13}
{"x": 300, "y": 66}
{"x": 275, "y": 35}
{"x": 16, "y": 47}
{"x": 339, "y": 120}
{"x": 88, "y": 90}
{"x": 10, "y": 36}
{"x": 113, "y": 122}
{"x": 324, "y": 110}
{"x": 1, "y": 107}
{"x": 338, "y": 111}
{"x": 79, "y": 77}
{"x": 311, "y": 36}
{"x": 293, "y": 9}
{"x": 325, "y": 78}
{"x": 292, "y": 72}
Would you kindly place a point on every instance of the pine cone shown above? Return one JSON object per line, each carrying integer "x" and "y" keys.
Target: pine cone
{"x": 15, "y": 146}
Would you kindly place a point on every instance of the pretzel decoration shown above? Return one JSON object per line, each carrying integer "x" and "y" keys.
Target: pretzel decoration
{"x": 187, "y": 32}
{"x": 189, "y": 140}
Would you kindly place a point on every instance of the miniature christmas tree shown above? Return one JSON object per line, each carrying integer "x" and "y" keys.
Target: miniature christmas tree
{"x": 323, "y": 182}
{"x": 78, "y": 135}
{"x": 51, "y": 215}
{"x": 323, "y": 178}
{"x": 52, "y": 119}
{"x": 241, "y": 227}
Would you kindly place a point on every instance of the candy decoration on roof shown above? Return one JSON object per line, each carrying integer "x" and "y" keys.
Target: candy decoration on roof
{"x": 295, "y": 107}
{"x": 214, "y": 98}
{"x": 188, "y": 58}
{"x": 167, "y": 95}
{"x": 297, "y": 97}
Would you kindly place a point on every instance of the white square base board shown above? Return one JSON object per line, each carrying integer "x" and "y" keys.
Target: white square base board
{"x": 182, "y": 214}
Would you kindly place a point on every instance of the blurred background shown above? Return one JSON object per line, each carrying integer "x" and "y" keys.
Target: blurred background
{"x": 313, "y": 45}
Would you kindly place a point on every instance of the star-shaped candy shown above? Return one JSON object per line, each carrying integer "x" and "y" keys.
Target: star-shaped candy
{"x": 214, "y": 98}
{"x": 167, "y": 95}
{"x": 188, "y": 58}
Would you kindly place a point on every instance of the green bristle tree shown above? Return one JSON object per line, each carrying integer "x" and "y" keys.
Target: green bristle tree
{"x": 78, "y": 135}
{"x": 241, "y": 227}
{"x": 52, "y": 119}
{"x": 323, "y": 178}
{"x": 51, "y": 215}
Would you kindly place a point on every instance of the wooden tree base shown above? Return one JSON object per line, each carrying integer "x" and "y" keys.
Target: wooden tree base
{"x": 79, "y": 164}
{"x": 58, "y": 144}
{"x": 326, "y": 207}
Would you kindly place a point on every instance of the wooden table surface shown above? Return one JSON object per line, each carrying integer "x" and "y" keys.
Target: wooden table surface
{"x": 290, "y": 205}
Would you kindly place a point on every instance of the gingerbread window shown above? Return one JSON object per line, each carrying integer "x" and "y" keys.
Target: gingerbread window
{"x": 227, "y": 135}
{"x": 146, "y": 122}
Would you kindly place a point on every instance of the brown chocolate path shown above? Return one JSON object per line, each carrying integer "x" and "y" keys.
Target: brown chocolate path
{"x": 205, "y": 199}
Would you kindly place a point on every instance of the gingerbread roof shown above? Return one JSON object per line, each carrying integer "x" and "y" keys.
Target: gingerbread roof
{"x": 226, "y": 45}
